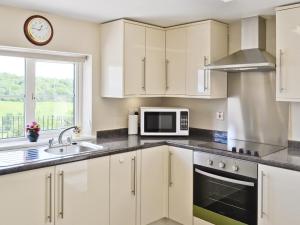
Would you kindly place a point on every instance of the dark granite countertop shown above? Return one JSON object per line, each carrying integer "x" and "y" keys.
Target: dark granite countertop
{"x": 288, "y": 158}
{"x": 14, "y": 161}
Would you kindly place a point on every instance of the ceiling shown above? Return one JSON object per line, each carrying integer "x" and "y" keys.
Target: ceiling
{"x": 159, "y": 12}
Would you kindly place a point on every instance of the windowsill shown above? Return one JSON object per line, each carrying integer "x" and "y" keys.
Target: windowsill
{"x": 12, "y": 145}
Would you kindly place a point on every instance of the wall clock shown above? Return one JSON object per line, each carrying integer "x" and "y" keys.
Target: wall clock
{"x": 38, "y": 30}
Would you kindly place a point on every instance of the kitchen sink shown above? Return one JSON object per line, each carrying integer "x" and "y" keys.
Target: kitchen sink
{"x": 76, "y": 148}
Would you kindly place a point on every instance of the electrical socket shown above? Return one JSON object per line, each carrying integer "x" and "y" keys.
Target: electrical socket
{"x": 220, "y": 115}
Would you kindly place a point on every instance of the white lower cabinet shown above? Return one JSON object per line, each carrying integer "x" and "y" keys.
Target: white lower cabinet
{"x": 181, "y": 185}
{"x": 69, "y": 194}
{"x": 123, "y": 189}
{"x": 82, "y": 193}
{"x": 135, "y": 188}
{"x": 27, "y": 198}
{"x": 154, "y": 184}
{"x": 150, "y": 185}
{"x": 278, "y": 196}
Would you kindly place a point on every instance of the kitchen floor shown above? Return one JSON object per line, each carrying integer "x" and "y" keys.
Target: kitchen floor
{"x": 165, "y": 221}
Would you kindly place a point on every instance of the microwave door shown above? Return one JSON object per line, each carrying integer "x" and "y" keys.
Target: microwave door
{"x": 160, "y": 122}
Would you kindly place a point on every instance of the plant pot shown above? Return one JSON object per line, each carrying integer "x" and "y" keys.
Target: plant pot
{"x": 33, "y": 136}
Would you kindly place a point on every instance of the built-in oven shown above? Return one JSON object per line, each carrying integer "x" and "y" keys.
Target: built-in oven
{"x": 158, "y": 121}
{"x": 225, "y": 190}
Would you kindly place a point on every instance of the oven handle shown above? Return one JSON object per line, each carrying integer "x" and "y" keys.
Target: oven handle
{"x": 234, "y": 181}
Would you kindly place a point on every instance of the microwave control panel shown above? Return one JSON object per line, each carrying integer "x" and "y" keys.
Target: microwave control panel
{"x": 184, "y": 120}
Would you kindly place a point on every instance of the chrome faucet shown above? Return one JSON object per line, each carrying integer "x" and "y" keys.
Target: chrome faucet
{"x": 76, "y": 130}
{"x": 51, "y": 141}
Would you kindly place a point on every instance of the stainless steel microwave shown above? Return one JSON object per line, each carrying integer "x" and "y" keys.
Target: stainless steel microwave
{"x": 157, "y": 121}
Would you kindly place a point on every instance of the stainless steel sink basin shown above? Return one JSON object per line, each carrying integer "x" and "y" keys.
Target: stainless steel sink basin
{"x": 80, "y": 147}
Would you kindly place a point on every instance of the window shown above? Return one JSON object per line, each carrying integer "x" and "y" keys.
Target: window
{"x": 37, "y": 90}
{"x": 12, "y": 92}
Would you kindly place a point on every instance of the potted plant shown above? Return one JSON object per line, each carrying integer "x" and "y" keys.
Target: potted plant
{"x": 33, "y": 130}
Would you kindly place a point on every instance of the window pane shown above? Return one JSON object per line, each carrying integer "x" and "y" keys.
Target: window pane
{"x": 12, "y": 91}
{"x": 55, "y": 95}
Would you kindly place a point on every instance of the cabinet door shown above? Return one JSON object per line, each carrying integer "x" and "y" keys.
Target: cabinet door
{"x": 82, "y": 193}
{"x": 123, "y": 186}
{"x": 134, "y": 59}
{"x": 27, "y": 198}
{"x": 155, "y": 61}
{"x": 198, "y": 55}
{"x": 154, "y": 184}
{"x": 181, "y": 185}
{"x": 278, "y": 196}
{"x": 288, "y": 54}
{"x": 176, "y": 61}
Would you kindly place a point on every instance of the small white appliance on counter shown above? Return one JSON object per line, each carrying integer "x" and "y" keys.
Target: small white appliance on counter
{"x": 133, "y": 120}
{"x": 158, "y": 121}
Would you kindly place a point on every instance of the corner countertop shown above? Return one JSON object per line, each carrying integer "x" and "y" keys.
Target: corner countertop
{"x": 18, "y": 160}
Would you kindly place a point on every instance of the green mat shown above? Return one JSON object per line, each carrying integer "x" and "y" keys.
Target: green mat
{"x": 213, "y": 217}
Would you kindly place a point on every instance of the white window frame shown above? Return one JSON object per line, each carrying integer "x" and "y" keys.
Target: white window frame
{"x": 29, "y": 97}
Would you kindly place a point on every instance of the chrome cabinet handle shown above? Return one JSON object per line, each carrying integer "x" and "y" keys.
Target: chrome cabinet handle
{"x": 62, "y": 177}
{"x": 133, "y": 175}
{"x": 144, "y": 73}
{"x": 205, "y": 74}
{"x": 262, "y": 195}
{"x": 170, "y": 169}
{"x": 49, "y": 217}
{"x": 167, "y": 74}
{"x": 281, "y": 88}
{"x": 234, "y": 181}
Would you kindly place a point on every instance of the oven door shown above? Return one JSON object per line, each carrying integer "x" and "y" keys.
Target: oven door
{"x": 222, "y": 198}
{"x": 160, "y": 122}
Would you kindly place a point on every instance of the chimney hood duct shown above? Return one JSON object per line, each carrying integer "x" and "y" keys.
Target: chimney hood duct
{"x": 253, "y": 56}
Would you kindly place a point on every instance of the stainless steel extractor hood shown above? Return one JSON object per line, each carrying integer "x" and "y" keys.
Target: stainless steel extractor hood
{"x": 253, "y": 56}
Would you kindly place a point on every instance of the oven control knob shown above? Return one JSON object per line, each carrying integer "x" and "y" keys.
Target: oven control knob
{"x": 235, "y": 168}
{"x": 222, "y": 165}
{"x": 210, "y": 162}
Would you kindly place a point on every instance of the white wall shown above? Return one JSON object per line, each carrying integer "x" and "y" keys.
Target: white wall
{"x": 203, "y": 112}
{"x": 294, "y": 123}
{"x": 84, "y": 37}
{"x": 73, "y": 36}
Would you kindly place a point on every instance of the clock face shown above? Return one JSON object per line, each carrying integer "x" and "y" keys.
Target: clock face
{"x": 38, "y": 30}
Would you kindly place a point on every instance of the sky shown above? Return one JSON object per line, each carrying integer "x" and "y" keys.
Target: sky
{"x": 16, "y": 65}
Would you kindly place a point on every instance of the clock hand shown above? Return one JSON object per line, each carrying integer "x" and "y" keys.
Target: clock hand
{"x": 41, "y": 27}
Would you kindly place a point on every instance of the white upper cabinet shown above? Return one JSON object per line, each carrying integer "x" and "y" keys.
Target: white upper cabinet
{"x": 198, "y": 55}
{"x": 132, "y": 60}
{"x": 112, "y": 60}
{"x": 288, "y": 53}
{"x": 278, "y": 196}
{"x": 27, "y": 198}
{"x": 139, "y": 60}
{"x": 155, "y": 62}
{"x": 206, "y": 41}
{"x": 176, "y": 61}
